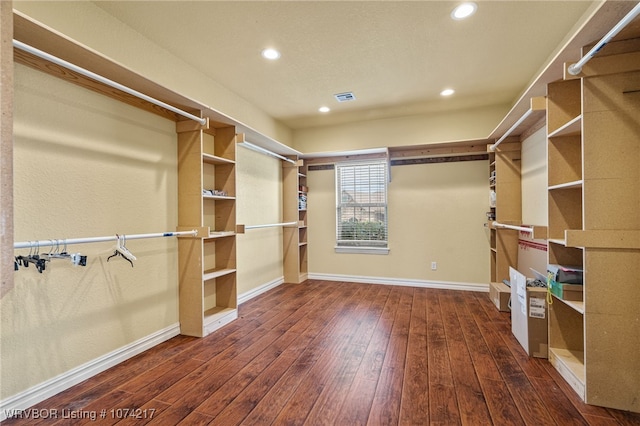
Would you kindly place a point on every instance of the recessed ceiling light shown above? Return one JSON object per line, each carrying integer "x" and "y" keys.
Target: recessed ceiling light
{"x": 270, "y": 54}
{"x": 324, "y": 109}
{"x": 447, "y": 92}
{"x": 464, "y": 10}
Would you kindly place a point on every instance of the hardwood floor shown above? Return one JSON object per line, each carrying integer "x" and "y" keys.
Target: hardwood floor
{"x": 329, "y": 353}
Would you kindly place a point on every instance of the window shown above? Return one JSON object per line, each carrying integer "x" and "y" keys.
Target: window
{"x": 361, "y": 201}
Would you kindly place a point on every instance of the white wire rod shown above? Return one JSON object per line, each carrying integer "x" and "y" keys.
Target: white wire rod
{"x": 576, "y": 68}
{"x": 511, "y": 129}
{"x": 270, "y": 225}
{"x": 44, "y": 55}
{"x": 517, "y": 228}
{"x": 63, "y": 242}
{"x": 257, "y": 148}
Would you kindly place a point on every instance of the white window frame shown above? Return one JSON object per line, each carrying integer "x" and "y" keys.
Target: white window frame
{"x": 362, "y": 205}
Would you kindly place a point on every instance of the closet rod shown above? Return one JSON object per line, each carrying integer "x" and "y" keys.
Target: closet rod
{"x": 39, "y": 53}
{"x": 517, "y": 228}
{"x": 257, "y": 148}
{"x": 55, "y": 242}
{"x": 270, "y": 225}
{"x": 511, "y": 129}
{"x": 576, "y": 68}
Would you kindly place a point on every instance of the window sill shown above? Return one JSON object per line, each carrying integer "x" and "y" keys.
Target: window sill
{"x": 362, "y": 250}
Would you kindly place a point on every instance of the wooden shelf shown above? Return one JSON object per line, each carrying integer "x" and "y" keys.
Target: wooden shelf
{"x": 593, "y": 193}
{"x": 505, "y": 161}
{"x": 217, "y": 197}
{"x": 295, "y": 242}
{"x": 558, "y": 241}
{"x": 216, "y": 273}
{"x": 214, "y": 313}
{"x": 578, "y": 306}
{"x": 220, "y": 234}
{"x": 207, "y": 266}
{"x": 570, "y": 365}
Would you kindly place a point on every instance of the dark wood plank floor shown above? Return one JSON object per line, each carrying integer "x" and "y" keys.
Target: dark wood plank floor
{"x": 329, "y": 353}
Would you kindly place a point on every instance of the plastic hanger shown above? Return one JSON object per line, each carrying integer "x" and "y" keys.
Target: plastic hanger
{"x": 121, "y": 250}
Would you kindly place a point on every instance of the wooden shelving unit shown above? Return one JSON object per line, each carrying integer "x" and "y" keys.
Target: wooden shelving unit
{"x": 294, "y": 181}
{"x": 207, "y": 263}
{"x": 594, "y": 194}
{"x": 505, "y": 162}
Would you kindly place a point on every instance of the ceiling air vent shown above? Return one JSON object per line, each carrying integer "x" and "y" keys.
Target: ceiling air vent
{"x": 344, "y": 97}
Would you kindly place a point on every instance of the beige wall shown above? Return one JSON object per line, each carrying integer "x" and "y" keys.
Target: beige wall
{"x": 88, "y": 24}
{"x": 436, "y": 213}
{"x": 259, "y": 201}
{"x": 86, "y": 166}
{"x": 534, "y": 178}
{"x": 412, "y": 130}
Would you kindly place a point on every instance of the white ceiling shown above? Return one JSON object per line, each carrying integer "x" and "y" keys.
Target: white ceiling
{"x": 395, "y": 56}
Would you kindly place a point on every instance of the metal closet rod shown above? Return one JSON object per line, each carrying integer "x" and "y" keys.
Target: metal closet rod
{"x": 56, "y": 242}
{"x": 576, "y": 68}
{"x": 511, "y": 129}
{"x": 270, "y": 225}
{"x": 517, "y": 228}
{"x": 44, "y": 55}
{"x": 262, "y": 150}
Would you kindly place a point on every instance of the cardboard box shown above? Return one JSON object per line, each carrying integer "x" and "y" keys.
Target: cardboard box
{"x": 500, "y": 294}
{"x": 566, "y": 291}
{"x": 529, "y": 317}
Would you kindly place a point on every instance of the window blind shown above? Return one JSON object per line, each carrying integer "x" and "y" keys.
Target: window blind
{"x": 361, "y": 192}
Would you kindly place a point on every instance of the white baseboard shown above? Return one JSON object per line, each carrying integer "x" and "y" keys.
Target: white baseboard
{"x": 51, "y": 387}
{"x": 259, "y": 290}
{"x": 446, "y": 285}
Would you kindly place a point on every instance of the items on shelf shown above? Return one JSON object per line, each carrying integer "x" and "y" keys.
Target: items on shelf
{"x": 214, "y": 192}
{"x": 302, "y": 201}
{"x": 565, "y": 282}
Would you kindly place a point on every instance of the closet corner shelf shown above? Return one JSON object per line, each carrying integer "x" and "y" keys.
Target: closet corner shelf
{"x": 571, "y": 128}
{"x": 213, "y": 159}
{"x": 216, "y": 273}
{"x": 567, "y": 185}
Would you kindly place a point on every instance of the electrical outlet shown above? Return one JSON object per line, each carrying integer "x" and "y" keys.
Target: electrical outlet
{"x": 434, "y": 266}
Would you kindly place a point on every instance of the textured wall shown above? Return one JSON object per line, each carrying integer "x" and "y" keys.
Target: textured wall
{"x": 534, "y": 178}
{"x": 436, "y": 213}
{"x": 86, "y": 166}
{"x": 259, "y": 189}
{"x": 412, "y": 130}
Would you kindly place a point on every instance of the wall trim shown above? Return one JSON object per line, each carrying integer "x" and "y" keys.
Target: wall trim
{"x": 64, "y": 381}
{"x": 244, "y": 297}
{"x": 445, "y": 285}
